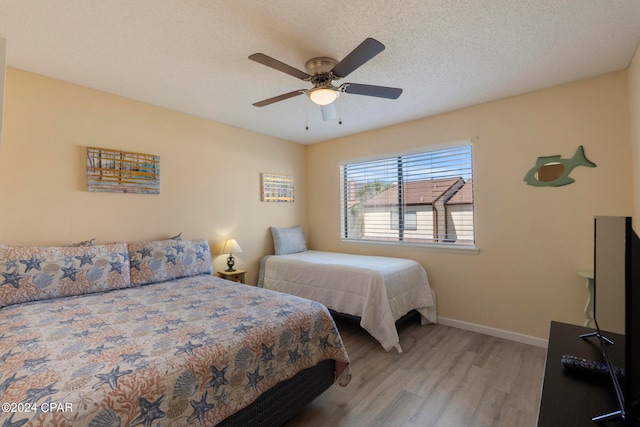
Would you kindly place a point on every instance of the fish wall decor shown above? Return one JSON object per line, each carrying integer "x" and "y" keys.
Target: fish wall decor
{"x": 553, "y": 171}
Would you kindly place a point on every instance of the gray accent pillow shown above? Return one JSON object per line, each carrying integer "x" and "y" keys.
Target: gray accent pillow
{"x": 288, "y": 240}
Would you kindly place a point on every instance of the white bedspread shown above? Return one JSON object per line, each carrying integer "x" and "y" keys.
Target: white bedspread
{"x": 380, "y": 290}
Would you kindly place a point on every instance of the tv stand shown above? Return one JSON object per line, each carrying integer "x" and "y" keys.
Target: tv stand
{"x": 572, "y": 400}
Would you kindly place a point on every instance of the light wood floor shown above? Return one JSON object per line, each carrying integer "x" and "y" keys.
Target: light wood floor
{"x": 445, "y": 377}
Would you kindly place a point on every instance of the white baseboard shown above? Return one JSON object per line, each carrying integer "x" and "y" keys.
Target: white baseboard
{"x": 500, "y": 333}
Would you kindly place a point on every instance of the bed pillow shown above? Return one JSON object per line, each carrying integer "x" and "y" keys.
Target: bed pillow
{"x": 29, "y": 273}
{"x": 162, "y": 260}
{"x": 288, "y": 240}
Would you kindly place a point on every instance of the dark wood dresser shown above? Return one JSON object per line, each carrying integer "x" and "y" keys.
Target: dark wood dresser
{"x": 570, "y": 399}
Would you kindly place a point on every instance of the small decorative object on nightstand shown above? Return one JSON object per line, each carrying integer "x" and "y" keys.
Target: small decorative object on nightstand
{"x": 234, "y": 276}
{"x": 230, "y": 247}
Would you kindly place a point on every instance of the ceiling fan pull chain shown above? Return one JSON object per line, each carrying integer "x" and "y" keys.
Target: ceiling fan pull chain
{"x": 306, "y": 104}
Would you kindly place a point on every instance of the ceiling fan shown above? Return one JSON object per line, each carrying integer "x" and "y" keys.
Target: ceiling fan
{"x": 323, "y": 71}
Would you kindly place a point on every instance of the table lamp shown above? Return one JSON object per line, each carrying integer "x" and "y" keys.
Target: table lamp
{"x": 231, "y": 247}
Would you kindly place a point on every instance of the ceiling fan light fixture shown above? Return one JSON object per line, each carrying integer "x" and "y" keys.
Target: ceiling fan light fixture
{"x": 323, "y": 95}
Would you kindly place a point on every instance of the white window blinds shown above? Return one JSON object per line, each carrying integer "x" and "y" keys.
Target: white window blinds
{"x": 423, "y": 198}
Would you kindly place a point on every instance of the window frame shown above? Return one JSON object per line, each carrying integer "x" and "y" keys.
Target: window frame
{"x": 439, "y": 246}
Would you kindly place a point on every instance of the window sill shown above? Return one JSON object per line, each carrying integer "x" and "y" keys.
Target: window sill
{"x": 441, "y": 247}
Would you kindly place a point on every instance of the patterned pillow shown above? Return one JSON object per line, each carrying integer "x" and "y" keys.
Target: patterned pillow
{"x": 29, "y": 273}
{"x": 162, "y": 260}
{"x": 288, "y": 240}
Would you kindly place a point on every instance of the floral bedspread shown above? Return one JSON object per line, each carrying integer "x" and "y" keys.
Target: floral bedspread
{"x": 191, "y": 351}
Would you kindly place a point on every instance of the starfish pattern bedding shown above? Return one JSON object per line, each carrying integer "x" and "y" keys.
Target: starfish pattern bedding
{"x": 190, "y": 351}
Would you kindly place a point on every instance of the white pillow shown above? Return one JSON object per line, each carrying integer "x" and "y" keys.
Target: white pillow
{"x": 288, "y": 240}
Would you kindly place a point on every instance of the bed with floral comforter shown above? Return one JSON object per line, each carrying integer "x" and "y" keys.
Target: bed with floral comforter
{"x": 188, "y": 351}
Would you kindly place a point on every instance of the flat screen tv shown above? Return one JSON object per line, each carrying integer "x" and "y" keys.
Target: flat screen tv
{"x": 617, "y": 308}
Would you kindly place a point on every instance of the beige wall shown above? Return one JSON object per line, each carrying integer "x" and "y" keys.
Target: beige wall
{"x": 209, "y": 173}
{"x": 533, "y": 241}
{"x": 634, "y": 113}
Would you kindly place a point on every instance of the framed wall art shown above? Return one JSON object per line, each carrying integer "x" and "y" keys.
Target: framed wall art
{"x": 276, "y": 188}
{"x": 122, "y": 171}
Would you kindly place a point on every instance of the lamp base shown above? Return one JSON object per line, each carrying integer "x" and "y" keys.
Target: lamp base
{"x": 230, "y": 262}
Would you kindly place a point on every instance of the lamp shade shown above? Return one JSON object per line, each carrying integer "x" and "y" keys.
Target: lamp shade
{"x": 323, "y": 95}
{"x": 231, "y": 247}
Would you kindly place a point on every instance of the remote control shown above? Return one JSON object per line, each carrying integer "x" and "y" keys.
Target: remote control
{"x": 585, "y": 365}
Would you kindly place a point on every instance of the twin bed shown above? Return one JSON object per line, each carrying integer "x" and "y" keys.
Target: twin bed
{"x": 377, "y": 290}
{"x": 143, "y": 334}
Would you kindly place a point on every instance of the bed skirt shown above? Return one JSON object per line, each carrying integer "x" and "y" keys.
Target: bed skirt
{"x": 280, "y": 403}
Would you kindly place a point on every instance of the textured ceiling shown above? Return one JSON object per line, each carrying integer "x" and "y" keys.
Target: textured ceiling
{"x": 191, "y": 55}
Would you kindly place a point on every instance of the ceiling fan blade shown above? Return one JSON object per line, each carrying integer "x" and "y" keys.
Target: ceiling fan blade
{"x": 280, "y": 66}
{"x": 370, "y": 90}
{"x": 279, "y": 98}
{"x": 358, "y": 56}
{"x": 328, "y": 111}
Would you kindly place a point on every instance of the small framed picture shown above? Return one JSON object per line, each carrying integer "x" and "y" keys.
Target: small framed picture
{"x": 276, "y": 188}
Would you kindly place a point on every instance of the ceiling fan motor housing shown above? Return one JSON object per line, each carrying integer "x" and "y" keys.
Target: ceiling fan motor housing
{"x": 321, "y": 64}
{"x": 320, "y": 70}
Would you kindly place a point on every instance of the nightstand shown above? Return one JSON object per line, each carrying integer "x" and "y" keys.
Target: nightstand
{"x": 234, "y": 276}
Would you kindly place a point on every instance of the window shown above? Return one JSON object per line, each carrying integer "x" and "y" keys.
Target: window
{"x": 419, "y": 198}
